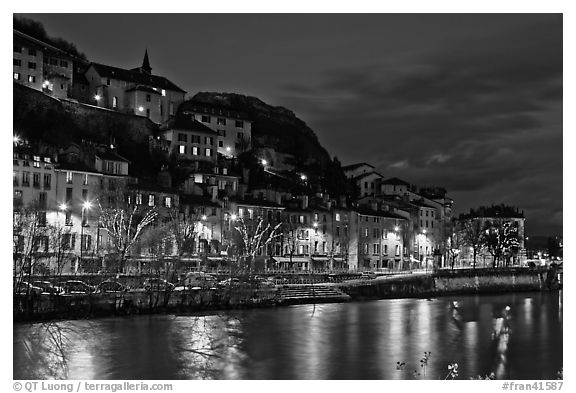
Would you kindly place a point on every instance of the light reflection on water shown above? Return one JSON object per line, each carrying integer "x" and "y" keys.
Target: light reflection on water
{"x": 327, "y": 341}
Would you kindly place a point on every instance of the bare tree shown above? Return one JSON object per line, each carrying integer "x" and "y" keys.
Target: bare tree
{"x": 59, "y": 236}
{"x": 455, "y": 243}
{"x": 255, "y": 237}
{"x": 473, "y": 236}
{"x": 501, "y": 238}
{"x": 28, "y": 233}
{"x": 124, "y": 228}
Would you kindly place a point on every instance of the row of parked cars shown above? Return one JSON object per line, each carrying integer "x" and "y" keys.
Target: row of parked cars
{"x": 194, "y": 281}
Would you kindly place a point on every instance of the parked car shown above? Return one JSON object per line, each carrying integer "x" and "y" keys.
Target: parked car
{"x": 200, "y": 280}
{"x": 76, "y": 286}
{"x": 48, "y": 287}
{"x": 157, "y": 284}
{"x": 110, "y": 286}
{"x": 368, "y": 275}
{"x": 229, "y": 282}
{"x": 24, "y": 288}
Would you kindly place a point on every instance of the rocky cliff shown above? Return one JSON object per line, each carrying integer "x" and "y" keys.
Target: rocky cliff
{"x": 273, "y": 127}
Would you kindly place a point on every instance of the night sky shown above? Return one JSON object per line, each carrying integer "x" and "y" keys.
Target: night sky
{"x": 470, "y": 102}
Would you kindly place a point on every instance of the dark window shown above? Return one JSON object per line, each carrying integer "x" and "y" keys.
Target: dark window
{"x": 42, "y": 200}
{"x": 47, "y": 181}
{"x": 36, "y": 180}
{"x": 84, "y": 194}
{"x": 68, "y": 217}
{"x": 32, "y": 52}
{"x": 195, "y": 138}
{"x": 205, "y": 119}
{"x": 63, "y": 63}
{"x": 239, "y": 124}
{"x": 86, "y": 242}
{"x": 17, "y": 62}
{"x": 17, "y": 49}
{"x": 32, "y": 65}
{"x": 148, "y": 98}
{"x": 68, "y": 194}
{"x": 53, "y": 61}
{"x": 26, "y": 179}
{"x": 147, "y": 112}
{"x": 221, "y": 121}
{"x": 41, "y": 219}
{"x": 220, "y": 143}
{"x": 182, "y": 137}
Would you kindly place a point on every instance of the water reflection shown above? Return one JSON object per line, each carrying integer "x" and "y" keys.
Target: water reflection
{"x": 329, "y": 341}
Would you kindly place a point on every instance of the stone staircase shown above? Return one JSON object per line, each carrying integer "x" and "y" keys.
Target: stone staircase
{"x": 307, "y": 294}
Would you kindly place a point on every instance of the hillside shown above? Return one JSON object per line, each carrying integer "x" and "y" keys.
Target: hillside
{"x": 44, "y": 120}
{"x": 273, "y": 126}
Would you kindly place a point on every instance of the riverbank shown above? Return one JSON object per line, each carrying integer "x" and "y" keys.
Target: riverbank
{"x": 405, "y": 285}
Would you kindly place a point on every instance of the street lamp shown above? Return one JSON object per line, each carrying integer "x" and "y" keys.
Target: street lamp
{"x": 85, "y": 206}
{"x": 264, "y": 162}
{"x": 303, "y": 177}
{"x": 16, "y": 139}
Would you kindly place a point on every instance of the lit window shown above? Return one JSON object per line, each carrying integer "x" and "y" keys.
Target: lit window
{"x": 163, "y": 93}
{"x": 151, "y": 200}
{"x": 168, "y": 202}
{"x": 69, "y": 177}
{"x": 195, "y": 150}
{"x": 208, "y": 152}
{"x": 337, "y": 216}
{"x": 138, "y": 199}
{"x": 182, "y": 149}
{"x": 17, "y": 76}
{"x": 31, "y": 79}
{"x": 114, "y": 102}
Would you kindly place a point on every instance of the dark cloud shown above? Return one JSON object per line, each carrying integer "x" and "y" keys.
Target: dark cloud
{"x": 480, "y": 116}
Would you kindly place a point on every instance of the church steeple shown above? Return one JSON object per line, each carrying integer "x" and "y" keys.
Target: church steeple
{"x": 146, "y": 64}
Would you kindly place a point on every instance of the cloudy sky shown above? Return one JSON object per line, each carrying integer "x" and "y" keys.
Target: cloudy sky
{"x": 471, "y": 102}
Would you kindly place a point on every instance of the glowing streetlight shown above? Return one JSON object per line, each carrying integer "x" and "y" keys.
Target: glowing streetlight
{"x": 396, "y": 228}
{"x": 233, "y": 217}
{"x": 264, "y": 162}
{"x": 16, "y": 139}
{"x": 228, "y": 149}
{"x": 315, "y": 225}
{"x": 97, "y": 97}
{"x": 141, "y": 108}
{"x": 204, "y": 217}
{"x": 63, "y": 207}
{"x": 303, "y": 177}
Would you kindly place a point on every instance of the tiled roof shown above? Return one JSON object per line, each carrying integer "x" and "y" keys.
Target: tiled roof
{"x": 354, "y": 166}
{"x": 187, "y": 122}
{"x": 396, "y": 182}
{"x": 377, "y": 213}
{"x": 363, "y": 175}
{"x": 213, "y": 110}
{"x": 111, "y": 156}
{"x": 75, "y": 166}
{"x": 135, "y": 77}
{"x": 143, "y": 88}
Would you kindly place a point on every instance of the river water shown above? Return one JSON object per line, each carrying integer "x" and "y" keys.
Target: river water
{"x": 515, "y": 336}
